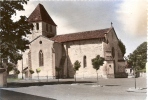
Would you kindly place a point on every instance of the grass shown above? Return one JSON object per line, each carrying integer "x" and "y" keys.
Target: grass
{"x": 13, "y": 79}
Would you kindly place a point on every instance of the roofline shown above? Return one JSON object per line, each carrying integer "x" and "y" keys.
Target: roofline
{"x": 40, "y": 21}
{"x": 81, "y": 40}
{"x": 82, "y": 32}
{"x": 41, "y": 36}
{"x": 114, "y": 31}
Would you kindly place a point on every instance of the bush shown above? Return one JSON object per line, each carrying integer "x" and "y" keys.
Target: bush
{"x": 38, "y": 70}
{"x": 17, "y": 72}
{"x": 31, "y": 71}
{"x": 121, "y": 75}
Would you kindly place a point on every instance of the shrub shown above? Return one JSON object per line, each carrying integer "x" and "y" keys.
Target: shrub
{"x": 31, "y": 71}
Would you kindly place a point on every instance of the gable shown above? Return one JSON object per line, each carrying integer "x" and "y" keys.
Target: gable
{"x": 42, "y": 40}
{"x": 43, "y": 37}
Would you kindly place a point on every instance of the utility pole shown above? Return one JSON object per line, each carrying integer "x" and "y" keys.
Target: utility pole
{"x": 22, "y": 65}
{"x": 135, "y": 74}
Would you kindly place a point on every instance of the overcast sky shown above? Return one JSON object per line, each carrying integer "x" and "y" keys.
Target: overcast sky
{"x": 129, "y": 17}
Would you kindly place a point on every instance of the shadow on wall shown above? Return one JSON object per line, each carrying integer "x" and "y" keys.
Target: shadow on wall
{"x": 70, "y": 69}
{"x": 66, "y": 67}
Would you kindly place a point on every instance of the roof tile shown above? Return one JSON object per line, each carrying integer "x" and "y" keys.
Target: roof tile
{"x": 81, "y": 35}
{"x": 40, "y": 14}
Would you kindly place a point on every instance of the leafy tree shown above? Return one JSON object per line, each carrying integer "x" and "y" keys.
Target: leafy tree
{"x": 38, "y": 70}
{"x": 31, "y": 71}
{"x": 13, "y": 33}
{"x": 9, "y": 66}
{"x": 138, "y": 57}
{"x": 77, "y": 65}
{"x": 97, "y": 62}
{"x": 122, "y": 47}
{"x": 58, "y": 69}
{"x": 16, "y": 71}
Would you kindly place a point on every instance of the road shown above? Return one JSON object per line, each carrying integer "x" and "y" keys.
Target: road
{"x": 113, "y": 89}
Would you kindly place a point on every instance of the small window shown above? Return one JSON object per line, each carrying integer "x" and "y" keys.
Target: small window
{"x": 32, "y": 27}
{"x": 113, "y": 52}
{"x": 40, "y": 42}
{"x": 37, "y": 26}
{"x": 47, "y": 27}
{"x": 50, "y": 28}
{"x": 84, "y": 61}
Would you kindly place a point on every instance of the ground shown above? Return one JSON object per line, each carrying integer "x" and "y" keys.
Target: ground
{"x": 113, "y": 89}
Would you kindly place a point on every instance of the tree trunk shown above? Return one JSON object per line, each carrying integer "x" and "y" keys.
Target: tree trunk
{"x": 75, "y": 77}
{"x": 97, "y": 77}
{"x": 47, "y": 75}
{"x": 38, "y": 76}
{"x": 58, "y": 76}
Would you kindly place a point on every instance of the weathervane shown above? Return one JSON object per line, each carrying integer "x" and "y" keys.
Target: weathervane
{"x": 111, "y": 24}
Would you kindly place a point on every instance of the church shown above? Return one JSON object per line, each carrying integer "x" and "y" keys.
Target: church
{"x": 48, "y": 50}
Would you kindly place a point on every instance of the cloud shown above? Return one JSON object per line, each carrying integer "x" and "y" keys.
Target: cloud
{"x": 77, "y": 16}
{"x": 133, "y": 16}
{"x": 28, "y": 9}
{"x": 71, "y": 16}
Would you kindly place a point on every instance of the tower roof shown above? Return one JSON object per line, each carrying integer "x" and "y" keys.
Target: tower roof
{"x": 40, "y": 14}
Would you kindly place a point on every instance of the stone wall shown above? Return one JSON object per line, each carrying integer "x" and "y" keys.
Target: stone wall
{"x": 50, "y": 32}
{"x": 47, "y": 48}
{"x": 42, "y": 30}
{"x": 113, "y": 42}
{"x": 22, "y": 64}
{"x": 35, "y": 32}
{"x": 77, "y": 50}
{"x": 3, "y": 77}
{"x": 57, "y": 51}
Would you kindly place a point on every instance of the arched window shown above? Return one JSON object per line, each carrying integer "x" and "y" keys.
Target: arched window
{"x": 113, "y": 52}
{"x": 47, "y": 27}
{"x": 41, "y": 60}
{"x": 84, "y": 61}
{"x": 37, "y": 26}
{"x": 32, "y": 27}
{"x": 50, "y": 28}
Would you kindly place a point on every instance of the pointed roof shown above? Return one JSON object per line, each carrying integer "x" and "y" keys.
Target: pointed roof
{"x": 40, "y": 14}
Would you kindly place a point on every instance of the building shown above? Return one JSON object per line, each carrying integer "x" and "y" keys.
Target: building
{"x": 49, "y": 50}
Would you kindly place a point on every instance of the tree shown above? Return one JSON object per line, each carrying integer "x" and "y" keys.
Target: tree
{"x": 58, "y": 70}
{"x": 138, "y": 57}
{"x": 31, "y": 71}
{"x": 97, "y": 62}
{"x": 13, "y": 33}
{"x": 16, "y": 71}
{"x": 122, "y": 47}
{"x": 77, "y": 65}
{"x": 9, "y": 66}
{"x": 38, "y": 70}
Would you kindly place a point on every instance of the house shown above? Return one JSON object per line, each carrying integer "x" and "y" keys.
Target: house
{"x": 47, "y": 50}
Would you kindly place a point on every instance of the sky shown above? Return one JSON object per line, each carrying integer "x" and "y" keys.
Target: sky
{"x": 129, "y": 17}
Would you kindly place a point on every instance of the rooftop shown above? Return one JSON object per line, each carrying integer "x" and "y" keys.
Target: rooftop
{"x": 40, "y": 14}
{"x": 81, "y": 35}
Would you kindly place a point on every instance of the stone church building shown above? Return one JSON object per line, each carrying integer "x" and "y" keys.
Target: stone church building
{"x": 47, "y": 50}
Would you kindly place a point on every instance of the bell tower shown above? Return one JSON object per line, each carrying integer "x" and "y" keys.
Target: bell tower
{"x": 42, "y": 23}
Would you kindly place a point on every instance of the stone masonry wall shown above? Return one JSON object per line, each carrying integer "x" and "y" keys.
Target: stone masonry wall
{"x": 77, "y": 50}
{"x": 46, "y": 47}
